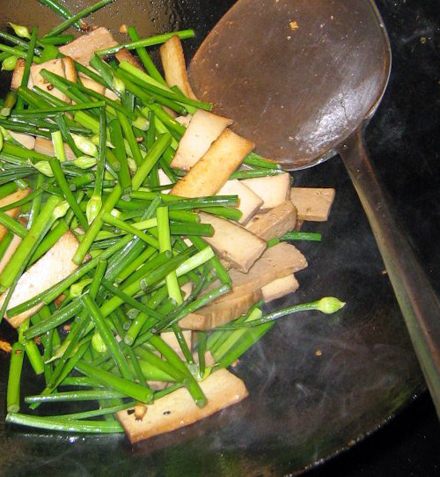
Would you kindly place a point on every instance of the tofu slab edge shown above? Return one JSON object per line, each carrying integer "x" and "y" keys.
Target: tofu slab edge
{"x": 177, "y": 409}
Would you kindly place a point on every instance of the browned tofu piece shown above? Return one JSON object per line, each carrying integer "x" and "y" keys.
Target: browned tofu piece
{"x": 233, "y": 243}
{"x": 212, "y": 171}
{"x": 276, "y": 222}
{"x": 279, "y": 288}
{"x": 173, "y": 62}
{"x": 203, "y": 129}
{"x": 83, "y": 48}
{"x": 276, "y": 262}
{"x": 249, "y": 202}
{"x": 17, "y": 76}
{"x": 26, "y": 140}
{"x": 273, "y": 190}
{"x": 54, "y": 66}
{"x": 125, "y": 55}
{"x": 50, "y": 269}
{"x": 313, "y": 204}
{"x": 10, "y": 199}
{"x": 69, "y": 69}
{"x": 221, "y": 311}
{"x": 45, "y": 146}
{"x": 178, "y": 409}
{"x": 93, "y": 85}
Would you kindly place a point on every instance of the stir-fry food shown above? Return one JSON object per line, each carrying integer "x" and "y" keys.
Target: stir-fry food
{"x": 140, "y": 236}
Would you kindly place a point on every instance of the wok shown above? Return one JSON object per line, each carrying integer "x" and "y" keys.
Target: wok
{"x": 317, "y": 385}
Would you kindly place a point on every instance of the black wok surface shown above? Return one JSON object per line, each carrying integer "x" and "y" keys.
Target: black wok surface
{"x": 304, "y": 406}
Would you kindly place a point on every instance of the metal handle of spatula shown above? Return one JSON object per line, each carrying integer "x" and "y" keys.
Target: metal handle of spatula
{"x": 416, "y": 297}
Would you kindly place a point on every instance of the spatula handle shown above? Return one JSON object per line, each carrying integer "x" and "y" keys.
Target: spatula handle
{"x": 416, "y": 297}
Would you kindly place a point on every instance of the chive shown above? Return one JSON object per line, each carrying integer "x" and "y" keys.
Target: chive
{"x": 57, "y": 40}
{"x": 140, "y": 78}
{"x": 310, "y": 236}
{"x": 151, "y": 41}
{"x": 124, "y": 387}
{"x": 15, "y": 367}
{"x": 205, "y": 230}
{"x": 31, "y": 349}
{"x": 41, "y": 224}
{"x": 50, "y": 112}
{"x": 7, "y": 189}
{"x": 254, "y": 160}
{"x": 145, "y": 57}
{"x": 253, "y": 173}
{"x": 5, "y": 242}
{"x": 12, "y": 225}
{"x": 70, "y": 396}
{"x": 175, "y": 128}
{"x": 152, "y": 157}
{"x": 61, "y": 10}
{"x": 81, "y": 381}
{"x": 70, "y": 21}
{"x": 18, "y": 41}
{"x": 201, "y": 349}
{"x": 131, "y": 138}
{"x": 68, "y": 195}
{"x": 96, "y": 412}
{"x": 109, "y": 219}
{"x": 27, "y": 67}
{"x": 17, "y": 52}
{"x": 96, "y": 225}
{"x": 119, "y": 151}
{"x": 215, "y": 263}
{"x": 64, "y": 425}
{"x": 107, "y": 336}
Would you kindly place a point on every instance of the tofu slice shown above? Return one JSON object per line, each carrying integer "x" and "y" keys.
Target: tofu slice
{"x": 276, "y": 262}
{"x": 17, "y": 76}
{"x": 184, "y": 120}
{"x": 220, "y": 312}
{"x": 26, "y": 140}
{"x": 54, "y": 66}
{"x": 170, "y": 339}
{"x": 125, "y": 55}
{"x": 233, "y": 243}
{"x": 279, "y": 288}
{"x": 313, "y": 204}
{"x": 212, "y": 171}
{"x": 249, "y": 202}
{"x": 178, "y": 409}
{"x": 276, "y": 222}
{"x": 10, "y": 199}
{"x": 50, "y": 269}
{"x": 83, "y": 48}
{"x": 45, "y": 146}
{"x": 203, "y": 129}
{"x": 69, "y": 69}
{"x": 93, "y": 85}
{"x": 15, "y": 242}
{"x": 173, "y": 62}
{"x": 274, "y": 190}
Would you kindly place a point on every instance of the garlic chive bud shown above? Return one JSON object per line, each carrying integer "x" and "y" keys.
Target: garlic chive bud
{"x": 20, "y": 30}
{"x": 329, "y": 305}
{"x": 9, "y": 63}
{"x": 141, "y": 123}
{"x": 98, "y": 344}
{"x": 119, "y": 86}
{"x": 93, "y": 207}
{"x": 44, "y": 168}
{"x": 85, "y": 145}
{"x": 84, "y": 162}
{"x": 77, "y": 288}
{"x": 61, "y": 209}
{"x": 6, "y": 134}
